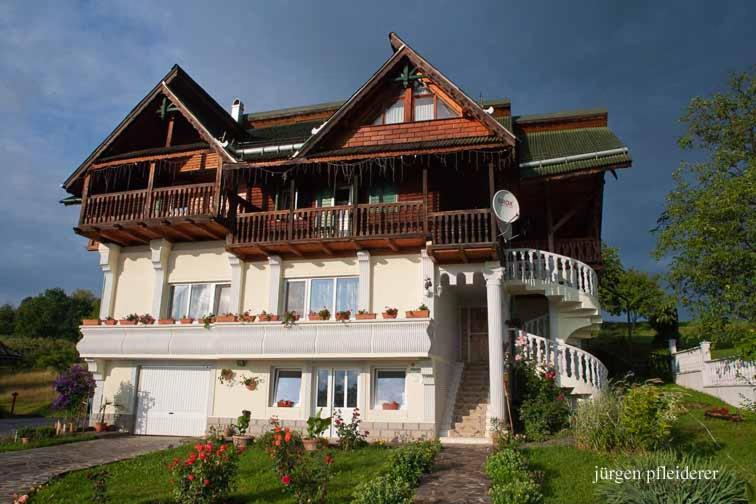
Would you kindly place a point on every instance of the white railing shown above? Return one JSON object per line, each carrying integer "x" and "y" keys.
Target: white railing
{"x": 530, "y": 264}
{"x": 575, "y": 368}
{"x": 538, "y": 326}
{"x": 713, "y": 372}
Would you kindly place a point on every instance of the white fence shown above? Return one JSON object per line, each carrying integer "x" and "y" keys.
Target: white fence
{"x": 733, "y": 381}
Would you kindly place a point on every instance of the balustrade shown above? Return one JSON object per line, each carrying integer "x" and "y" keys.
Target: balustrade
{"x": 526, "y": 265}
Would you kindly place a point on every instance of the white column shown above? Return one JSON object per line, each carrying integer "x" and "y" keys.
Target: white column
{"x": 97, "y": 368}
{"x": 237, "y": 283}
{"x": 428, "y": 279}
{"x": 429, "y": 392}
{"x": 498, "y": 312}
{"x": 160, "y": 251}
{"x": 363, "y": 294}
{"x": 554, "y": 321}
{"x": 274, "y": 284}
{"x": 109, "y": 254}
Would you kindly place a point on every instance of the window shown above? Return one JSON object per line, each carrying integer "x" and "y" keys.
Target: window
{"x": 426, "y": 106}
{"x": 287, "y": 385}
{"x": 389, "y": 387}
{"x": 395, "y": 113}
{"x": 314, "y": 294}
{"x": 382, "y": 193}
{"x": 199, "y": 299}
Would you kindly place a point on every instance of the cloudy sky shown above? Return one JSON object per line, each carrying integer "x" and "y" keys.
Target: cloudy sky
{"x": 70, "y": 71}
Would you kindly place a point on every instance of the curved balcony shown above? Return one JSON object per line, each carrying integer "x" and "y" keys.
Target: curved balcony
{"x": 533, "y": 267}
{"x": 575, "y": 368}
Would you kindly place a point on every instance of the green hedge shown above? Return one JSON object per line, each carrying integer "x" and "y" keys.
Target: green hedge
{"x": 511, "y": 481}
{"x": 406, "y": 466}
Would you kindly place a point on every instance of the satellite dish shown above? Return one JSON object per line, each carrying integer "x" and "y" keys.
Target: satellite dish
{"x": 506, "y": 208}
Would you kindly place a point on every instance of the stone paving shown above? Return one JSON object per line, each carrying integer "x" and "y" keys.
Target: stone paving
{"x": 22, "y": 470}
{"x": 457, "y": 477}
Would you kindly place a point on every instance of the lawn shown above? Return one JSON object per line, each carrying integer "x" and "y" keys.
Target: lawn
{"x": 35, "y": 392}
{"x": 145, "y": 479}
{"x": 568, "y": 472}
{"x": 8, "y": 445}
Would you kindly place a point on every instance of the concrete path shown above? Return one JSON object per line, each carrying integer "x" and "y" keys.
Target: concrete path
{"x": 457, "y": 477}
{"x": 22, "y": 470}
{"x": 9, "y": 425}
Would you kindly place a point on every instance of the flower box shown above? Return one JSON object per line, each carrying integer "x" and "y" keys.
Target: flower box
{"x": 285, "y": 403}
{"x": 418, "y": 313}
{"x": 127, "y": 322}
{"x": 187, "y": 320}
{"x": 267, "y": 317}
{"x": 166, "y": 321}
{"x": 226, "y": 318}
{"x": 393, "y": 405}
{"x": 387, "y": 315}
{"x": 315, "y": 316}
{"x": 247, "y": 318}
{"x": 365, "y": 316}
{"x": 90, "y": 322}
{"x": 110, "y": 321}
{"x": 342, "y": 316}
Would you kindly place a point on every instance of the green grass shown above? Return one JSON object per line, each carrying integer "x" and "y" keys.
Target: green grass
{"x": 9, "y": 445}
{"x": 35, "y": 392}
{"x": 145, "y": 479}
{"x": 568, "y": 472}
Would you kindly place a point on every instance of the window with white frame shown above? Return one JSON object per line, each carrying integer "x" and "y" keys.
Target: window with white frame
{"x": 389, "y": 386}
{"x": 287, "y": 385}
{"x": 313, "y": 294}
{"x": 196, "y": 300}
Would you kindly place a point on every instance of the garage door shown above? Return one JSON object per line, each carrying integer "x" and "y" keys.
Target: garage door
{"x": 172, "y": 400}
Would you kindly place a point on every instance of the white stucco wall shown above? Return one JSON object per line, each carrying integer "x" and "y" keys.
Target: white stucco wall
{"x": 308, "y": 268}
{"x": 119, "y": 386}
{"x": 199, "y": 262}
{"x": 256, "y": 291}
{"x": 396, "y": 282}
{"x": 134, "y": 282}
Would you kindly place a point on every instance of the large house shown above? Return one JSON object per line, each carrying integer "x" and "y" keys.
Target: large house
{"x": 377, "y": 204}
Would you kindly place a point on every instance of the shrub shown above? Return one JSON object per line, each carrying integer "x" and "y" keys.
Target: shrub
{"x": 36, "y": 432}
{"x": 544, "y": 410}
{"x": 383, "y": 490}
{"x": 406, "y": 466}
{"x": 511, "y": 482}
{"x": 40, "y": 353}
{"x": 74, "y": 387}
{"x": 206, "y": 475}
{"x": 648, "y": 413}
{"x": 596, "y": 423}
{"x": 727, "y": 488}
{"x": 350, "y": 436}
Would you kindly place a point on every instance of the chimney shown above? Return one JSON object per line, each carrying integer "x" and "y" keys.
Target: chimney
{"x": 237, "y": 110}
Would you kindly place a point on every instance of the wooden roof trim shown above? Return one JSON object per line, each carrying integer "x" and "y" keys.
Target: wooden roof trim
{"x": 138, "y": 109}
{"x": 453, "y": 90}
{"x": 154, "y": 157}
{"x": 402, "y": 49}
{"x": 204, "y": 133}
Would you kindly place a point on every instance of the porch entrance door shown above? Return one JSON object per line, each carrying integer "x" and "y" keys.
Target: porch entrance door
{"x": 337, "y": 390}
{"x": 476, "y": 320}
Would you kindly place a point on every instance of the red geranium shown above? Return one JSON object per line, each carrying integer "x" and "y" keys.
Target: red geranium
{"x": 286, "y": 479}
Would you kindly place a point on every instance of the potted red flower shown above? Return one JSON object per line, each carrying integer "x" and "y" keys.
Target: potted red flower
{"x": 421, "y": 312}
{"x": 390, "y": 313}
{"x": 343, "y": 315}
{"x": 285, "y": 403}
{"x": 393, "y": 405}
{"x": 267, "y": 317}
{"x": 90, "y": 322}
{"x": 110, "y": 321}
{"x": 247, "y": 317}
{"x": 131, "y": 319}
{"x": 226, "y": 317}
{"x": 365, "y": 315}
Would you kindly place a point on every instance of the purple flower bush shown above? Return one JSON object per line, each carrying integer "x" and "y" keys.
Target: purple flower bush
{"x": 74, "y": 388}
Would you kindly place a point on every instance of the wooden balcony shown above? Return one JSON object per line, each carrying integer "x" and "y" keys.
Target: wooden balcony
{"x": 178, "y": 213}
{"x": 341, "y": 230}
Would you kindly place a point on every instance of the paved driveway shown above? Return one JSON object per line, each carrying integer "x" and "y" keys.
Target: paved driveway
{"x": 9, "y": 425}
{"x": 22, "y": 470}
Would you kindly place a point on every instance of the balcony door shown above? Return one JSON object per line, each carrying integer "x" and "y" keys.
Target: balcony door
{"x": 335, "y": 223}
{"x": 475, "y": 334}
{"x": 336, "y": 390}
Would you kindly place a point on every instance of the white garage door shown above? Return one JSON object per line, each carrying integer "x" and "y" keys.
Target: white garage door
{"x": 172, "y": 401}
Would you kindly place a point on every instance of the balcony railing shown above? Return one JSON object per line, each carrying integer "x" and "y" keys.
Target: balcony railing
{"x": 528, "y": 265}
{"x": 583, "y": 249}
{"x": 462, "y": 227}
{"x": 162, "y": 203}
{"x": 331, "y": 223}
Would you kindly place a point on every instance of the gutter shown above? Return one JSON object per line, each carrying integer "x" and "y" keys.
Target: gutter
{"x": 576, "y": 157}
{"x": 268, "y": 149}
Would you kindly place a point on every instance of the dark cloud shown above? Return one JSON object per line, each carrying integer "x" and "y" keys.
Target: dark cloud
{"x": 69, "y": 74}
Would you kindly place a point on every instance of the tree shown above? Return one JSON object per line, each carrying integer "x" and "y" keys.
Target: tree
{"x": 634, "y": 293}
{"x": 53, "y": 314}
{"x": 708, "y": 226}
{"x": 7, "y": 319}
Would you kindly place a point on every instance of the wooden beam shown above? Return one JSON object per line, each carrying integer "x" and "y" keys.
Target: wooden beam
{"x": 392, "y": 245}
{"x": 294, "y": 250}
{"x": 148, "y": 198}
{"x": 565, "y": 218}
{"x": 129, "y": 234}
{"x": 174, "y": 230}
{"x": 425, "y": 199}
{"x": 111, "y": 239}
{"x": 202, "y": 230}
{"x": 290, "y": 217}
{"x": 465, "y": 258}
{"x": 169, "y": 133}
{"x": 326, "y": 249}
{"x": 154, "y": 157}
{"x": 84, "y": 196}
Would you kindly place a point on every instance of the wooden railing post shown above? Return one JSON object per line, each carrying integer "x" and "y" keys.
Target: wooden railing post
{"x": 147, "y": 213}
{"x": 84, "y": 196}
{"x": 425, "y": 200}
